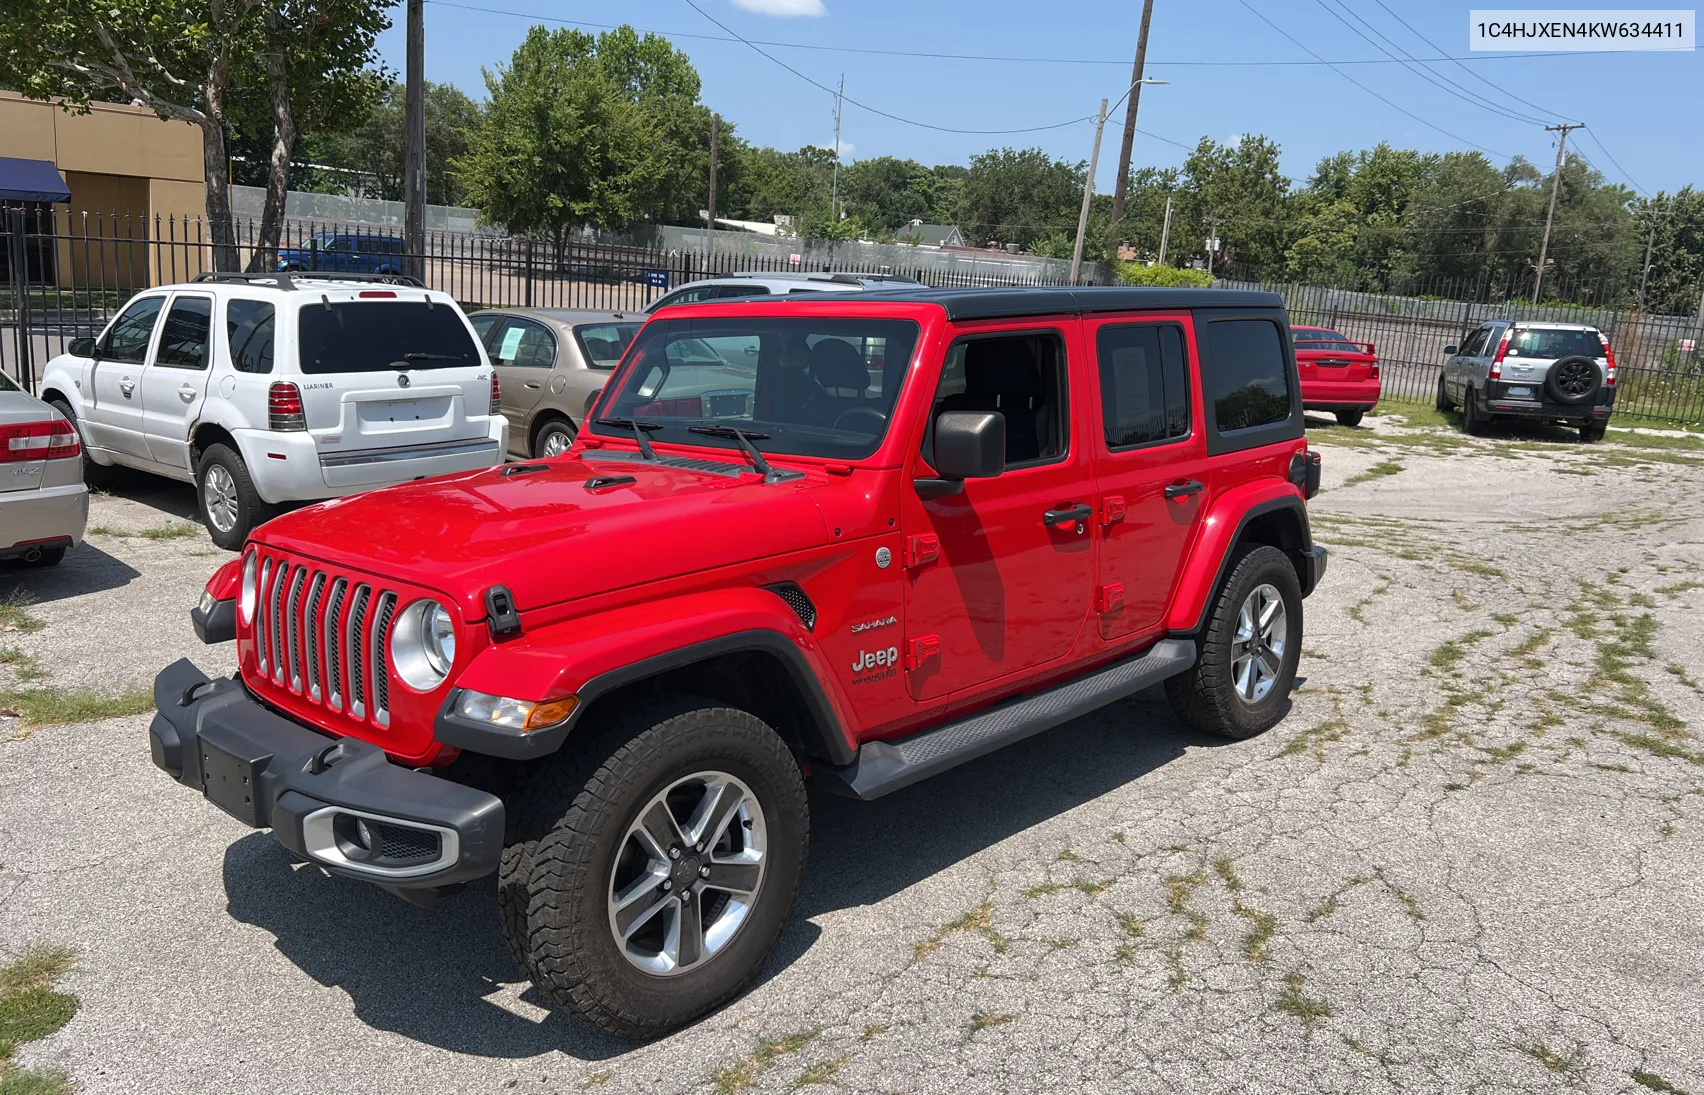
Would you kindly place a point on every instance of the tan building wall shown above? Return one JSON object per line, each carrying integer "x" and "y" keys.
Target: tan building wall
{"x": 127, "y": 171}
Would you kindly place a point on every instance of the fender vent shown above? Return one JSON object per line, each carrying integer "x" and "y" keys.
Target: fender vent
{"x": 797, "y": 601}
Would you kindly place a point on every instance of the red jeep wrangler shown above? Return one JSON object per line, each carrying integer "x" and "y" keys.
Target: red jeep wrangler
{"x": 861, "y": 539}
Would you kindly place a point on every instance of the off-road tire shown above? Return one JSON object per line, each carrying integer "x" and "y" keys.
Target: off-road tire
{"x": 1350, "y": 418}
{"x": 1472, "y": 422}
{"x": 1575, "y": 380}
{"x": 1443, "y": 402}
{"x": 556, "y": 426}
{"x": 252, "y": 510}
{"x": 94, "y": 475}
{"x": 1205, "y": 696}
{"x": 569, "y": 822}
{"x": 1593, "y": 431}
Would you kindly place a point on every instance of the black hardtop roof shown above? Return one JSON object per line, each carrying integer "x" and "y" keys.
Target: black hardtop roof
{"x": 1043, "y": 300}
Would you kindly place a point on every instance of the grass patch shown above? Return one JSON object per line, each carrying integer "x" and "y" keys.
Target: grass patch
{"x": 1043, "y": 889}
{"x": 597, "y": 1079}
{"x": 1092, "y": 888}
{"x": 22, "y": 664}
{"x": 1562, "y": 1064}
{"x": 872, "y": 1032}
{"x": 1262, "y": 927}
{"x": 1654, "y": 1082}
{"x": 1068, "y": 856}
{"x": 1380, "y": 470}
{"x": 1179, "y": 889}
{"x": 745, "y": 1072}
{"x": 169, "y": 531}
{"x": 1062, "y": 944}
{"x": 979, "y": 920}
{"x": 30, "y": 1009}
{"x": 1293, "y": 1001}
{"x": 822, "y": 1072}
{"x": 15, "y": 616}
{"x": 37, "y": 707}
{"x": 982, "y": 1020}
{"x": 1678, "y": 588}
{"x": 1450, "y": 654}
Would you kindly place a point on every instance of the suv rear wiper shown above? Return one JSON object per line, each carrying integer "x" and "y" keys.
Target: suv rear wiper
{"x": 418, "y": 355}
{"x": 745, "y": 438}
{"x": 638, "y": 429}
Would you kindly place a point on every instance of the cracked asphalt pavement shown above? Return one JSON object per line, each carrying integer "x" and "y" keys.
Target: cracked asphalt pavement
{"x": 1467, "y": 861}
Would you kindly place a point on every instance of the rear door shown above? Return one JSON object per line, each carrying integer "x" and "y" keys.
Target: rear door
{"x": 1459, "y": 364}
{"x": 113, "y": 404}
{"x": 1151, "y": 465}
{"x": 523, "y": 351}
{"x": 383, "y": 369}
{"x": 1000, "y": 580}
{"x": 174, "y": 384}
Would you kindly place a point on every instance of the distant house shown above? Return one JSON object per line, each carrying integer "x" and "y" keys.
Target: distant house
{"x": 934, "y": 235}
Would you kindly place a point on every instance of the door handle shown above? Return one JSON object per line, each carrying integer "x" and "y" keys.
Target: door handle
{"x": 187, "y": 391}
{"x": 127, "y": 386}
{"x": 1076, "y": 512}
{"x": 532, "y": 385}
{"x": 1174, "y": 491}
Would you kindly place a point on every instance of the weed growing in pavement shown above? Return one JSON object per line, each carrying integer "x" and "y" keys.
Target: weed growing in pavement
{"x": 30, "y": 1009}
{"x": 1292, "y": 1001}
{"x": 872, "y": 1032}
{"x": 1378, "y": 471}
{"x": 1675, "y": 590}
{"x": 982, "y": 1020}
{"x": 26, "y": 667}
{"x": 15, "y": 616}
{"x": 170, "y": 531}
{"x": 1043, "y": 889}
{"x": 745, "y": 1072}
{"x": 1654, "y": 1082}
{"x": 1358, "y": 611}
{"x": 1225, "y": 867}
{"x": 1068, "y": 856}
{"x": 30, "y": 709}
{"x": 979, "y": 920}
{"x": 1262, "y": 926}
{"x": 1563, "y": 1064}
{"x": 822, "y": 1072}
{"x": 1092, "y": 888}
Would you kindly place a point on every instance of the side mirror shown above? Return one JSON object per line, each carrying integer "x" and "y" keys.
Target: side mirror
{"x": 1449, "y": 350}
{"x": 81, "y": 347}
{"x": 968, "y": 445}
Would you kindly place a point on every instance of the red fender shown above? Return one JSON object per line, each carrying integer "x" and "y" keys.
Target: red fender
{"x": 1220, "y": 530}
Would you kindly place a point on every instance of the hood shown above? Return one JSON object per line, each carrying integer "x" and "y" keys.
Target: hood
{"x": 549, "y": 537}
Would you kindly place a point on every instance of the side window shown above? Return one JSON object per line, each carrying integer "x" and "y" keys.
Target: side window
{"x": 1248, "y": 384}
{"x": 183, "y": 341}
{"x": 249, "y": 326}
{"x": 127, "y": 340}
{"x": 739, "y": 291}
{"x": 1020, "y": 375}
{"x": 482, "y": 324}
{"x": 525, "y": 343}
{"x": 1475, "y": 344}
{"x": 1144, "y": 384}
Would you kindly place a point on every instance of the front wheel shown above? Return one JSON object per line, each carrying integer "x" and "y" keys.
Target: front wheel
{"x": 93, "y": 474}
{"x": 1240, "y": 684}
{"x": 661, "y": 859}
{"x": 1472, "y": 422}
{"x": 553, "y": 438}
{"x": 230, "y": 506}
{"x": 1350, "y": 418}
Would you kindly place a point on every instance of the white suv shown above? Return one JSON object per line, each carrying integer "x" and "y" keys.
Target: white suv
{"x": 263, "y": 389}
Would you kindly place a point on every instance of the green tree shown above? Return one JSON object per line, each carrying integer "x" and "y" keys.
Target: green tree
{"x": 376, "y": 144}
{"x": 1677, "y": 257}
{"x": 1240, "y": 188}
{"x": 1012, "y": 196}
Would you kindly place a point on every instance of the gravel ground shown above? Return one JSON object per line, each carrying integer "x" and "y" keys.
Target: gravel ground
{"x": 1467, "y": 861}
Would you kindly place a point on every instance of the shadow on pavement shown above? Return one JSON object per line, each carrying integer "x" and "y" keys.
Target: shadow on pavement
{"x": 424, "y": 973}
{"x": 85, "y": 569}
{"x": 169, "y": 496}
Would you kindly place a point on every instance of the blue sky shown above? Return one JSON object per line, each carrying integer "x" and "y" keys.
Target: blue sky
{"x": 1642, "y": 107}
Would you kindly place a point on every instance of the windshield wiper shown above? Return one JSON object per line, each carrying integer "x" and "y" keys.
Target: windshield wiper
{"x": 745, "y": 439}
{"x": 418, "y": 355}
{"x": 638, "y": 429}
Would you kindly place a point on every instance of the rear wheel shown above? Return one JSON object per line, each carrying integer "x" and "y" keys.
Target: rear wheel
{"x": 1591, "y": 431}
{"x": 1241, "y": 682}
{"x": 93, "y": 474}
{"x": 1350, "y": 418}
{"x": 230, "y": 506}
{"x": 1472, "y": 422}
{"x": 553, "y": 438}
{"x": 1443, "y": 403}
{"x": 661, "y": 859}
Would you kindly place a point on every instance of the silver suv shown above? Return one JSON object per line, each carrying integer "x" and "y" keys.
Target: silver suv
{"x": 1561, "y": 372}
{"x": 777, "y": 283}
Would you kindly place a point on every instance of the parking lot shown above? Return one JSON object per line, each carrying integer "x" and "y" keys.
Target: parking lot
{"x": 1467, "y": 861}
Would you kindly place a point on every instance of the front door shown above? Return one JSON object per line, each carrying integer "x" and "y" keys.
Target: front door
{"x": 112, "y": 409}
{"x": 998, "y": 575}
{"x": 1151, "y": 464}
{"x": 175, "y": 380}
{"x": 523, "y": 351}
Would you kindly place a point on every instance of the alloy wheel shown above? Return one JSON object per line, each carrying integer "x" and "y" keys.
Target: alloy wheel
{"x": 556, "y": 443}
{"x": 219, "y": 498}
{"x": 1576, "y": 378}
{"x": 687, "y": 873}
{"x": 1257, "y": 649}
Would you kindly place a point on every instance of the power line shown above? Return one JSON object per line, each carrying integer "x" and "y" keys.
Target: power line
{"x": 1000, "y": 58}
{"x": 1464, "y": 68}
{"x": 876, "y": 110}
{"x": 1402, "y": 110}
{"x": 1617, "y": 163}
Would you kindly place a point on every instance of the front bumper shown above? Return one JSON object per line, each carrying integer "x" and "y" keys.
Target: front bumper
{"x": 51, "y": 516}
{"x": 336, "y": 801}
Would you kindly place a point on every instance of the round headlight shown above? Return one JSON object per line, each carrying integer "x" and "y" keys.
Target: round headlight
{"x": 423, "y": 645}
{"x": 245, "y": 603}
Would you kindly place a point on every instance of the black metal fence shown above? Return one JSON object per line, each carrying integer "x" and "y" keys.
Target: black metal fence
{"x": 1659, "y": 359}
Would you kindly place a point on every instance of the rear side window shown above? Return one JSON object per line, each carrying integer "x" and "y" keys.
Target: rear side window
{"x": 1144, "y": 380}
{"x": 371, "y": 336}
{"x": 249, "y": 326}
{"x": 603, "y": 344}
{"x": 1542, "y": 343}
{"x": 523, "y": 342}
{"x": 1249, "y": 383}
{"x": 183, "y": 342}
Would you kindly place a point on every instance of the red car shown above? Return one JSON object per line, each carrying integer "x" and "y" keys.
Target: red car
{"x": 860, "y": 539}
{"x": 1337, "y": 375}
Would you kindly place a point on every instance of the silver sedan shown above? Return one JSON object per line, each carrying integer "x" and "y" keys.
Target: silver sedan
{"x": 44, "y": 506}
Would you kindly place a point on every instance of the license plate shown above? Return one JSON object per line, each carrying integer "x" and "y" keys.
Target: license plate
{"x": 228, "y": 781}
{"x": 1520, "y": 393}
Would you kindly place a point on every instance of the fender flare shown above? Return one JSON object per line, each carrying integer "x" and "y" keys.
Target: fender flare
{"x": 1211, "y": 558}
{"x": 608, "y": 651}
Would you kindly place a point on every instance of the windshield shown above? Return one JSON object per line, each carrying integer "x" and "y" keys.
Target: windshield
{"x": 602, "y": 344}
{"x": 1538, "y": 342}
{"x": 370, "y": 335}
{"x": 800, "y": 386}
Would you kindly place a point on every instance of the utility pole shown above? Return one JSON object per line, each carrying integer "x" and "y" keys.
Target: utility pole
{"x": 1123, "y": 181}
{"x": 1088, "y": 192}
{"x": 710, "y": 210}
{"x": 1212, "y": 241}
{"x": 834, "y": 183}
{"x": 1555, "y": 185}
{"x": 414, "y": 143}
{"x": 1650, "y": 241}
{"x": 1165, "y": 232}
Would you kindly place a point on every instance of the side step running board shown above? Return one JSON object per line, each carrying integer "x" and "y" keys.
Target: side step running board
{"x": 883, "y": 766}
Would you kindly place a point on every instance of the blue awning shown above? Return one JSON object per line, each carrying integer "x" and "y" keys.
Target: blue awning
{"x": 31, "y": 181}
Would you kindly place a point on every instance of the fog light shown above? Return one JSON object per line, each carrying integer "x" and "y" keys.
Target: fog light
{"x": 364, "y": 835}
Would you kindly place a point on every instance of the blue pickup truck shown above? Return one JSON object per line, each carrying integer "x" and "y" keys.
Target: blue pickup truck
{"x": 347, "y": 252}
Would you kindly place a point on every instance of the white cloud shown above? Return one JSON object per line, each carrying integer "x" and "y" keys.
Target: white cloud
{"x": 783, "y": 9}
{"x": 846, "y": 150}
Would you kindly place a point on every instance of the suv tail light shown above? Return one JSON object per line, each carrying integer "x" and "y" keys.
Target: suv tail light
{"x": 54, "y": 439}
{"x": 1609, "y": 361}
{"x": 496, "y": 394}
{"x": 1497, "y": 360}
{"x": 284, "y": 407}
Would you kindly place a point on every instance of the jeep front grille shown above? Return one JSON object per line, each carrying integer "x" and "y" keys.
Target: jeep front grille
{"x": 325, "y": 637}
